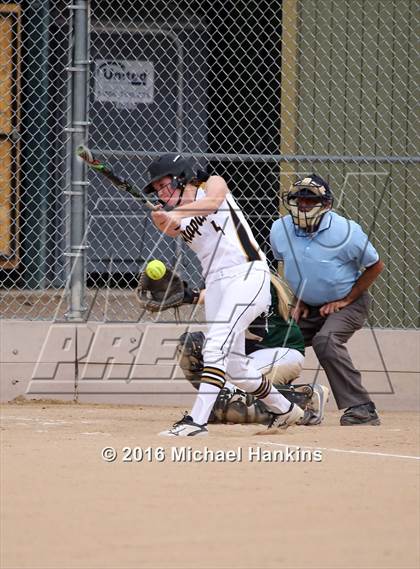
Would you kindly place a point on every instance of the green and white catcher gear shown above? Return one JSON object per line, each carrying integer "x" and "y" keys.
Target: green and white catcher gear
{"x": 190, "y": 356}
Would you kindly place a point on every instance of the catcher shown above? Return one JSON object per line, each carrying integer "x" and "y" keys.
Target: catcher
{"x": 274, "y": 345}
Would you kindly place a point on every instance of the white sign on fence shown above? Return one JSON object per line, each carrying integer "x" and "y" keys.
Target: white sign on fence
{"x": 124, "y": 82}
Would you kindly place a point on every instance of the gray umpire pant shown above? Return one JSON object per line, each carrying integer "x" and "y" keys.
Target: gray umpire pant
{"x": 327, "y": 336}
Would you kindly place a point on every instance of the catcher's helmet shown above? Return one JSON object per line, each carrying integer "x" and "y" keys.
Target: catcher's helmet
{"x": 170, "y": 165}
{"x": 317, "y": 190}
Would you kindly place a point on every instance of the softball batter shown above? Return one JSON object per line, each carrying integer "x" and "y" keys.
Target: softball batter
{"x": 237, "y": 281}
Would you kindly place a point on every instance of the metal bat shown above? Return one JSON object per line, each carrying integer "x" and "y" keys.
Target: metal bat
{"x": 86, "y": 155}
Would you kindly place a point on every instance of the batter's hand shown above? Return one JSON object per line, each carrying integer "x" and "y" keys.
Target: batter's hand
{"x": 164, "y": 220}
{"x": 300, "y": 310}
{"x": 332, "y": 307}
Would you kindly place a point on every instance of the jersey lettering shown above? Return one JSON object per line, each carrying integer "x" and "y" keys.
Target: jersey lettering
{"x": 217, "y": 227}
{"x": 193, "y": 228}
{"x": 222, "y": 239}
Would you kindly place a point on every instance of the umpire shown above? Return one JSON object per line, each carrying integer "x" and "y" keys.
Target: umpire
{"x": 329, "y": 264}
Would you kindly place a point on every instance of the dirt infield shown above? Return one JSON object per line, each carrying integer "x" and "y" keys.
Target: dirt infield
{"x": 65, "y": 506}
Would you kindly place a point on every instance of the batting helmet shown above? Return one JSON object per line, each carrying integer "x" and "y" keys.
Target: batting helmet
{"x": 315, "y": 189}
{"x": 170, "y": 165}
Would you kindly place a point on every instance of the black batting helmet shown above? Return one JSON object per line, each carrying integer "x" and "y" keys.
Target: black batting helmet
{"x": 170, "y": 165}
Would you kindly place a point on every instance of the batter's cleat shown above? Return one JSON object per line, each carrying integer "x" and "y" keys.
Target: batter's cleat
{"x": 185, "y": 428}
{"x": 364, "y": 414}
{"x": 284, "y": 420}
{"x": 314, "y": 412}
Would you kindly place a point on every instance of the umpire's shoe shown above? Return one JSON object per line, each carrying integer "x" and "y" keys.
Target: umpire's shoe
{"x": 185, "y": 428}
{"x": 283, "y": 420}
{"x": 364, "y": 414}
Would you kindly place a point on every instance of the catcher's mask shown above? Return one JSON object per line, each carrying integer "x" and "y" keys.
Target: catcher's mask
{"x": 317, "y": 200}
{"x": 176, "y": 166}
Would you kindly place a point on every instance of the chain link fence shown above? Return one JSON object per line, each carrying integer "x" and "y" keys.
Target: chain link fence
{"x": 258, "y": 92}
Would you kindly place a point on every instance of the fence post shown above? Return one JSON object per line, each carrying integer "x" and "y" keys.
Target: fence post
{"x": 79, "y": 85}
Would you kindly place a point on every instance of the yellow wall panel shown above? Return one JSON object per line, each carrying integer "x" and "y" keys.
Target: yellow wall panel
{"x": 9, "y": 123}
{"x": 5, "y": 75}
{"x": 5, "y": 197}
{"x": 6, "y": 68}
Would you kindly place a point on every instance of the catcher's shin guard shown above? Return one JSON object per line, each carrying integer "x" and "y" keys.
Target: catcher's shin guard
{"x": 237, "y": 406}
{"x": 190, "y": 356}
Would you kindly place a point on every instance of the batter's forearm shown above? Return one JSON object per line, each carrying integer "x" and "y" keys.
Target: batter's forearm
{"x": 166, "y": 229}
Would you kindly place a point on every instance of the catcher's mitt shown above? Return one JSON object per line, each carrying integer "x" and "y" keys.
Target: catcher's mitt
{"x": 168, "y": 292}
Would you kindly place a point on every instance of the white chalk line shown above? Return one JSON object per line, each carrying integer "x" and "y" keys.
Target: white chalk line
{"x": 388, "y": 455}
{"x": 96, "y": 433}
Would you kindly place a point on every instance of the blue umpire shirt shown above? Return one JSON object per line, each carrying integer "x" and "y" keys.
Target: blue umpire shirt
{"x": 322, "y": 266}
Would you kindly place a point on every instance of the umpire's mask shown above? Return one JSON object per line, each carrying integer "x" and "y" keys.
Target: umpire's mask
{"x": 307, "y": 201}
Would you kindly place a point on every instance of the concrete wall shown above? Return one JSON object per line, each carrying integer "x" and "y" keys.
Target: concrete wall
{"x": 135, "y": 364}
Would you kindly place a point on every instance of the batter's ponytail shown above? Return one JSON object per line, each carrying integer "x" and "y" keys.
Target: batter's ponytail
{"x": 200, "y": 178}
{"x": 282, "y": 297}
